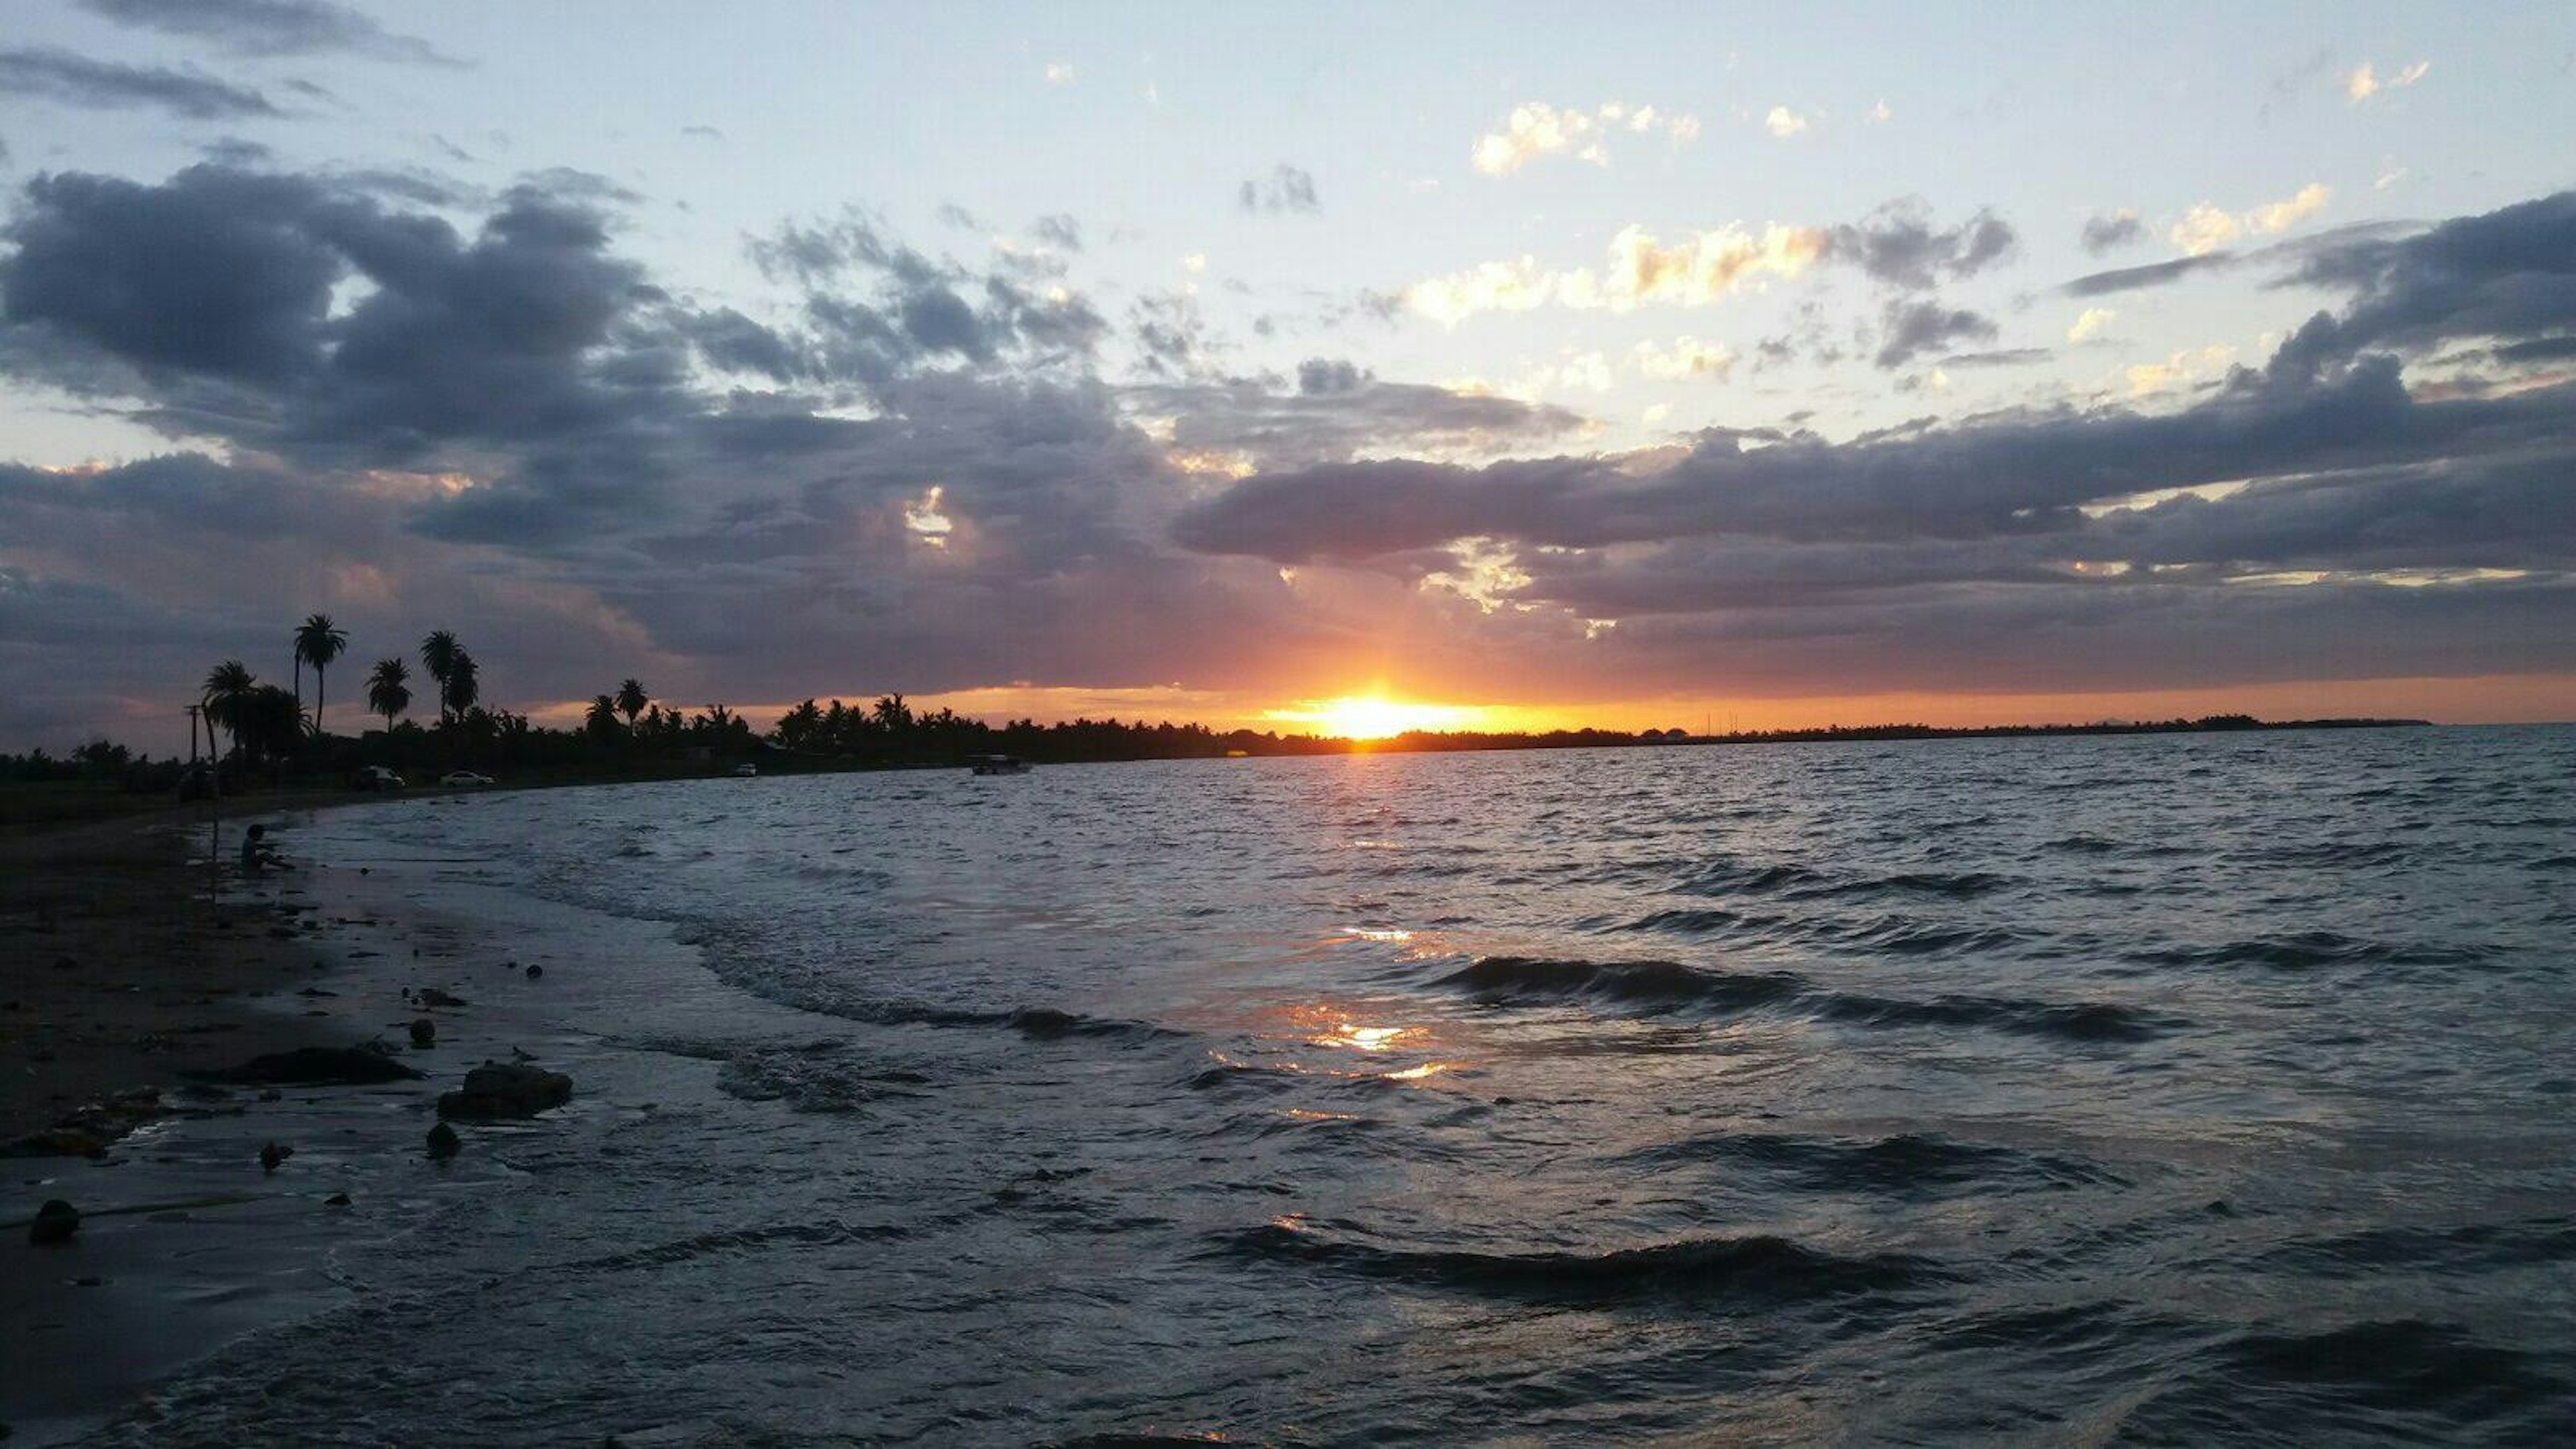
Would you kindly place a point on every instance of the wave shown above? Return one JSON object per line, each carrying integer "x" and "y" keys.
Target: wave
{"x": 1659, "y": 987}
{"x": 1910, "y": 1164}
{"x": 1511, "y": 980}
{"x": 1752, "y": 1267}
{"x": 2393, "y": 1378}
{"x": 2310, "y": 950}
{"x": 2479, "y": 1247}
{"x": 738, "y": 1240}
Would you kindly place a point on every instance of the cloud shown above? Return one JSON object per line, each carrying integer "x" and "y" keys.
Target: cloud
{"x": 1059, "y": 72}
{"x": 1784, "y": 123}
{"x": 2362, "y": 83}
{"x": 1694, "y": 271}
{"x": 1908, "y": 329}
{"x": 1286, "y": 189}
{"x": 1537, "y": 129}
{"x": 2153, "y": 274}
{"x": 2311, "y": 518}
{"x": 490, "y": 417}
{"x": 1688, "y": 358}
{"x": 1898, "y": 245}
{"x": 271, "y": 27}
{"x": 2109, "y": 233}
{"x": 77, "y": 80}
{"x": 2091, "y": 324}
{"x": 2206, "y": 228}
{"x": 1337, "y": 411}
{"x": 1880, "y": 115}
{"x": 1059, "y": 230}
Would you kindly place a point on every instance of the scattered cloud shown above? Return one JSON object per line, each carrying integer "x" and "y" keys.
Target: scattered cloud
{"x": 1286, "y": 190}
{"x": 1535, "y": 129}
{"x": 2206, "y": 228}
{"x": 2091, "y": 324}
{"x": 1687, "y": 359}
{"x": 1059, "y": 72}
{"x": 77, "y": 80}
{"x": 1910, "y": 328}
{"x": 2363, "y": 83}
{"x": 1784, "y": 123}
{"x": 2110, "y": 233}
{"x": 1900, "y": 246}
{"x": 1880, "y": 115}
{"x": 272, "y": 27}
{"x": 1693, "y": 271}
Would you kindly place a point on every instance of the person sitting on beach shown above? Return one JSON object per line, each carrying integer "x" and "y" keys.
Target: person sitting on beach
{"x": 257, "y": 854}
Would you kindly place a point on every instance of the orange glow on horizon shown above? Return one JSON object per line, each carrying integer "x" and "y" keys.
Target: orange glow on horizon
{"x": 1375, "y": 717}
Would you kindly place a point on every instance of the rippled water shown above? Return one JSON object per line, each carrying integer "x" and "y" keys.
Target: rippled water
{"x": 2158, "y": 1089}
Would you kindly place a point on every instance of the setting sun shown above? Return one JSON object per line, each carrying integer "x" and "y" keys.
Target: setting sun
{"x": 1373, "y": 717}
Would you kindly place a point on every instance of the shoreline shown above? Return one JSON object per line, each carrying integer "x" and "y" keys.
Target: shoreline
{"x": 187, "y": 1244}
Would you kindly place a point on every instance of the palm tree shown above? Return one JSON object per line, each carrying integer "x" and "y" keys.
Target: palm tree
{"x": 228, "y": 690}
{"x": 389, "y": 690}
{"x": 464, "y": 684}
{"x": 438, "y": 654}
{"x": 631, "y": 700}
{"x": 602, "y": 720}
{"x": 318, "y": 641}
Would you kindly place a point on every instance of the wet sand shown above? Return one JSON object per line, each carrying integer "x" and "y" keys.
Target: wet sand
{"x": 127, "y": 967}
{"x": 121, "y": 967}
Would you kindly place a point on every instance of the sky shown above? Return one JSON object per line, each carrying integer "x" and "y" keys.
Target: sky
{"x": 1631, "y": 365}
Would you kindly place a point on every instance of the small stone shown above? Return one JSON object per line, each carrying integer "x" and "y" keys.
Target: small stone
{"x": 55, "y": 1222}
{"x": 535, "y": 971}
{"x": 444, "y": 1143}
{"x": 337, "y": 1199}
{"x": 272, "y": 1155}
{"x": 424, "y": 1033}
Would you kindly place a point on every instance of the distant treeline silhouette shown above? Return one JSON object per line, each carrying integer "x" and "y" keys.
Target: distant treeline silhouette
{"x": 267, "y": 734}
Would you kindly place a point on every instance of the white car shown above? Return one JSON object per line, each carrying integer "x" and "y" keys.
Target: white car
{"x": 464, "y": 777}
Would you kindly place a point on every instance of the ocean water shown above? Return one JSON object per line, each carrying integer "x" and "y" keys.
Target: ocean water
{"x": 2152, "y": 1090}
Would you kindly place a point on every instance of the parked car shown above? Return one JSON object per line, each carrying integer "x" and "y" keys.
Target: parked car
{"x": 464, "y": 777}
{"x": 376, "y": 777}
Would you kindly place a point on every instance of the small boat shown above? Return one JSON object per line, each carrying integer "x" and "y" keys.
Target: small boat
{"x": 997, "y": 764}
{"x": 746, "y": 771}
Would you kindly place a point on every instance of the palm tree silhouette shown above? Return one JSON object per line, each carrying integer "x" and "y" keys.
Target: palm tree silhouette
{"x": 631, "y": 700}
{"x": 601, "y": 721}
{"x": 438, "y": 654}
{"x": 389, "y": 690}
{"x": 228, "y": 691}
{"x": 317, "y": 642}
{"x": 464, "y": 683}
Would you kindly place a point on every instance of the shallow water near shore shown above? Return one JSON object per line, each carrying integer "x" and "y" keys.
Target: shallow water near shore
{"x": 2163, "y": 1089}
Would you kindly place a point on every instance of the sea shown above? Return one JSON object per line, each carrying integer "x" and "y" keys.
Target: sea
{"x": 2160, "y": 1089}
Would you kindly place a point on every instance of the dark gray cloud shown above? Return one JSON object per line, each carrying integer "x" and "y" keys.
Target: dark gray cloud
{"x": 1286, "y": 190}
{"x": 271, "y": 27}
{"x": 2007, "y": 357}
{"x": 2153, "y": 274}
{"x": 1908, "y": 329}
{"x": 1899, "y": 245}
{"x": 1337, "y": 411}
{"x": 2110, "y": 233}
{"x": 78, "y": 80}
{"x": 2509, "y": 274}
